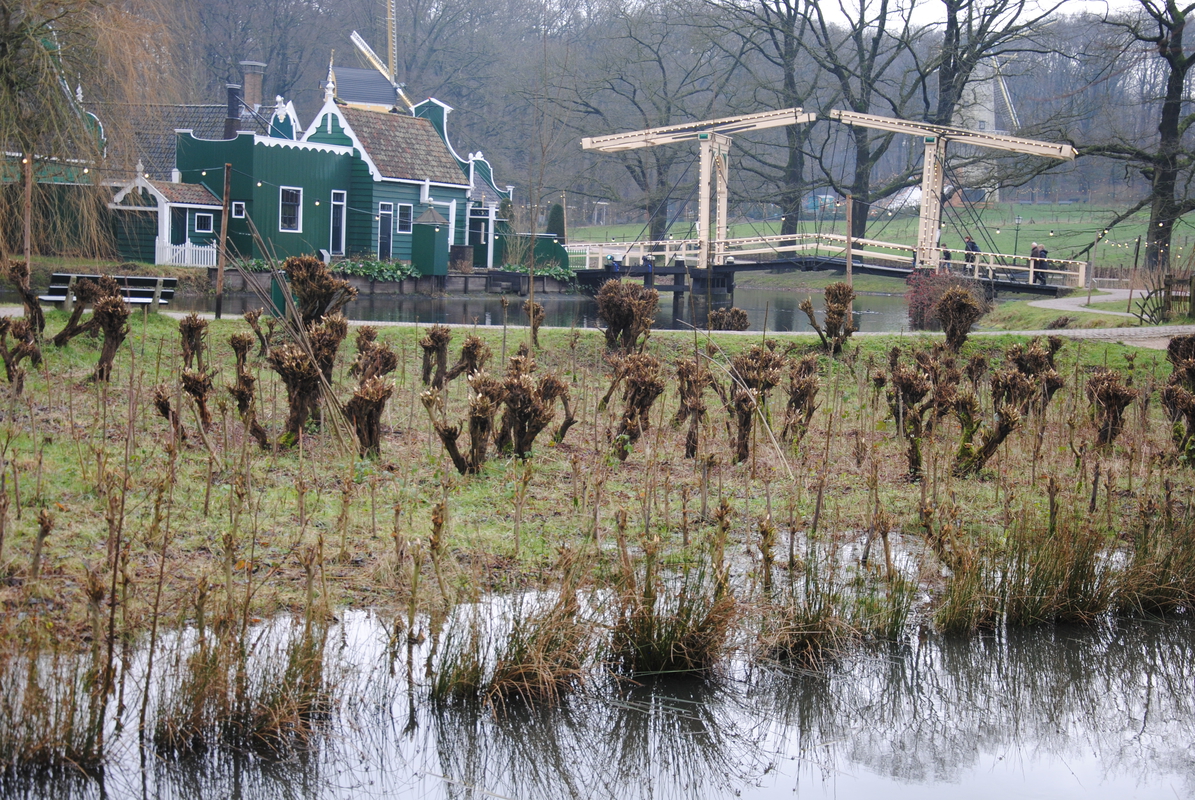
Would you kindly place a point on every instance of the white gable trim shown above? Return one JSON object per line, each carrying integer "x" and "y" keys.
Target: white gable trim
{"x": 330, "y": 108}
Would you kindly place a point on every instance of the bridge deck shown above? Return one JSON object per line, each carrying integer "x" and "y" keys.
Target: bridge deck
{"x": 664, "y": 276}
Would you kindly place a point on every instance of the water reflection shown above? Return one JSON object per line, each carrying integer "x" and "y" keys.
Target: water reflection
{"x": 872, "y": 313}
{"x": 1046, "y": 712}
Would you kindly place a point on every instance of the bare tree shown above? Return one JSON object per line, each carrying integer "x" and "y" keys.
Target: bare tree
{"x": 655, "y": 69}
{"x": 1153, "y": 45}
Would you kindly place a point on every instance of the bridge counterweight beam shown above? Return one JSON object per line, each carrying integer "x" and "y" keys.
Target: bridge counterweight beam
{"x": 929, "y": 227}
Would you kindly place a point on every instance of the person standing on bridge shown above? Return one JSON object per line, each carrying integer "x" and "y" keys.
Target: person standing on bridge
{"x": 969, "y": 250}
{"x": 1039, "y": 276}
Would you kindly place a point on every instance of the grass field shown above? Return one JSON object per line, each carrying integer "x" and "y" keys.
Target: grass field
{"x": 800, "y": 506}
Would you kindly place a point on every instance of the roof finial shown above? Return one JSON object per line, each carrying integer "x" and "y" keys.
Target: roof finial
{"x": 330, "y": 84}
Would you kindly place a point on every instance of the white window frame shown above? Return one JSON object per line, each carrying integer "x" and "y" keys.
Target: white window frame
{"x": 211, "y": 222}
{"x": 339, "y": 206}
{"x": 238, "y": 209}
{"x": 398, "y": 217}
{"x": 299, "y": 216}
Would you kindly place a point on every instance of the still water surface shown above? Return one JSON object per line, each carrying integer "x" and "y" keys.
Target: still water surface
{"x": 1050, "y": 712}
{"x": 872, "y": 313}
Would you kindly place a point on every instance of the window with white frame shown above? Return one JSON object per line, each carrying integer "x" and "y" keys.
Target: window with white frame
{"x": 405, "y": 213}
{"x": 203, "y": 223}
{"x": 290, "y": 209}
{"x": 238, "y": 209}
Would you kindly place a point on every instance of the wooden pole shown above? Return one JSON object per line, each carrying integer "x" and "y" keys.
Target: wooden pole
{"x": 850, "y": 267}
{"x": 29, "y": 212}
{"x": 222, "y": 255}
{"x": 1133, "y": 276}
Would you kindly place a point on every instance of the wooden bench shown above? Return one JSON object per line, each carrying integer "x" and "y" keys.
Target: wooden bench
{"x": 137, "y": 290}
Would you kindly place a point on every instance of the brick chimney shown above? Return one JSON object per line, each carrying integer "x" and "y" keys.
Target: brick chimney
{"x": 253, "y": 73}
{"x": 232, "y": 120}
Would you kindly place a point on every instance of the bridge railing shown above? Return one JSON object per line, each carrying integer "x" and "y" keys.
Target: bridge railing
{"x": 593, "y": 255}
{"x": 982, "y": 266}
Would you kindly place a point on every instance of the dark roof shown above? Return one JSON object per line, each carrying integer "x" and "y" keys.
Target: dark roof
{"x": 190, "y": 193}
{"x": 402, "y": 146}
{"x": 153, "y": 127}
{"x": 364, "y": 86}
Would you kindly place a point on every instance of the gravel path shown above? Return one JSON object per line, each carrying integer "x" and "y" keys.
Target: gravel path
{"x": 1078, "y": 302}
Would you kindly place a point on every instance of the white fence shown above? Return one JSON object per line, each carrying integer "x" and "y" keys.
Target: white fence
{"x": 186, "y": 255}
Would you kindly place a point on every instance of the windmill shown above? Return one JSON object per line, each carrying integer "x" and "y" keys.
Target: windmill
{"x": 387, "y": 68}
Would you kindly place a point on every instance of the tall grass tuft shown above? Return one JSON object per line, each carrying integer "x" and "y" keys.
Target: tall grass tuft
{"x": 669, "y": 624}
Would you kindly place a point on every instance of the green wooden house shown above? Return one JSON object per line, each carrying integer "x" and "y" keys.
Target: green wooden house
{"x": 352, "y": 184}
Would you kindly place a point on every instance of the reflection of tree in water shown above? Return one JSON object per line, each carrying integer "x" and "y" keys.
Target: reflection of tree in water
{"x": 1122, "y": 693}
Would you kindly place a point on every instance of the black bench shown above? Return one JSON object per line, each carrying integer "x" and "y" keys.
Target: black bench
{"x": 137, "y": 290}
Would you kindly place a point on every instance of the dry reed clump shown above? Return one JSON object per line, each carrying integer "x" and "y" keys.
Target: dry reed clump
{"x": 535, "y": 315}
{"x": 628, "y": 311}
{"x": 459, "y": 674}
{"x": 1159, "y": 577}
{"x": 237, "y": 693}
{"x": 668, "y": 624}
{"x": 193, "y": 331}
{"x": 642, "y": 385}
{"x": 111, "y": 315}
{"x": 319, "y": 294}
{"x": 729, "y": 319}
{"x": 958, "y": 309}
{"x": 1109, "y": 397}
{"x": 1178, "y": 396}
{"x": 754, "y": 373}
{"x": 838, "y": 325}
{"x": 243, "y": 391}
{"x": 545, "y": 654}
{"x": 435, "y": 355}
{"x": 692, "y": 381}
{"x": 51, "y": 723}
{"x": 1039, "y": 574}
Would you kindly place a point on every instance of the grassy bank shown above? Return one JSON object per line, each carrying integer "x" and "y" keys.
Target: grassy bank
{"x": 784, "y": 541}
{"x": 1018, "y": 315}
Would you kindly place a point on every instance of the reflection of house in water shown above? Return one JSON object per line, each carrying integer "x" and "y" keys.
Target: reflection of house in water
{"x": 353, "y": 183}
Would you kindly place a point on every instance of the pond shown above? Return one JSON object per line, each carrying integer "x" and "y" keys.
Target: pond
{"x": 872, "y": 312}
{"x": 1046, "y": 712}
